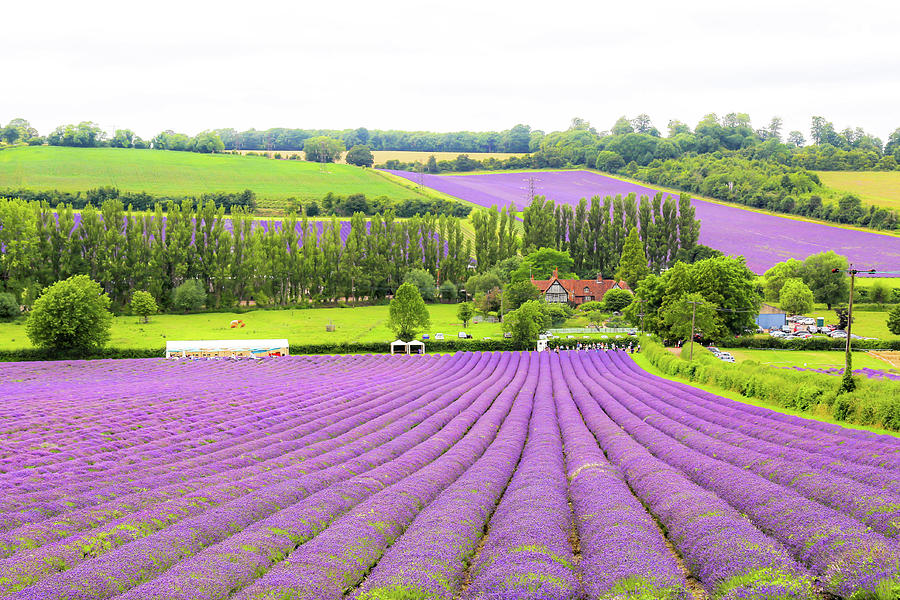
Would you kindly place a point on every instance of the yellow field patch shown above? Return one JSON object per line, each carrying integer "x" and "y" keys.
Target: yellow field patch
{"x": 881, "y": 188}
{"x": 382, "y": 156}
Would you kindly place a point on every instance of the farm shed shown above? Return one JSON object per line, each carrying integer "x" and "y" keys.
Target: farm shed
{"x": 227, "y": 348}
{"x": 770, "y": 317}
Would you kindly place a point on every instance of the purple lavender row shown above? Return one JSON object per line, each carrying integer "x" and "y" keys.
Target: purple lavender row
{"x": 271, "y": 493}
{"x": 866, "y": 372}
{"x": 252, "y": 453}
{"x": 247, "y": 430}
{"x": 848, "y": 556}
{"x": 210, "y": 489}
{"x": 162, "y": 418}
{"x": 731, "y": 558}
{"x": 430, "y": 558}
{"x": 623, "y": 553}
{"x": 160, "y": 414}
{"x": 335, "y": 561}
{"x": 874, "y": 507}
{"x": 340, "y": 486}
{"x": 851, "y": 445}
{"x": 738, "y": 431}
{"x": 213, "y": 451}
{"x": 527, "y": 552}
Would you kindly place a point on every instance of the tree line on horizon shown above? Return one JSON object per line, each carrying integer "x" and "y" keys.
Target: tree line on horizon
{"x": 633, "y": 140}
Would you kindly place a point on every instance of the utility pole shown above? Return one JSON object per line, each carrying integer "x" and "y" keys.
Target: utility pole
{"x": 641, "y": 314}
{"x": 693, "y": 319}
{"x": 847, "y": 382}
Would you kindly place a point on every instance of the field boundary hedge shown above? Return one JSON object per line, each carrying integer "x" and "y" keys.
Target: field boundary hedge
{"x": 875, "y": 403}
{"x": 452, "y": 345}
{"x": 814, "y": 343}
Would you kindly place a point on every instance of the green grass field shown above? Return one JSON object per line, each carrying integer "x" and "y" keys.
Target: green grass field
{"x": 881, "y": 188}
{"x": 307, "y": 326}
{"x": 186, "y": 173}
{"x": 807, "y": 359}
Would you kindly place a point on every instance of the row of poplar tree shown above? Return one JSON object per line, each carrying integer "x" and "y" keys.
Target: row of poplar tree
{"x": 594, "y": 232}
{"x": 236, "y": 258}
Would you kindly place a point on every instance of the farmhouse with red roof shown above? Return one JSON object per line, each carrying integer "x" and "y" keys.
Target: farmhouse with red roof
{"x": 576, "y": 291}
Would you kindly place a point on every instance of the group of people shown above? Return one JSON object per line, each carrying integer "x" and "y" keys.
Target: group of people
{"x": 630, "y": 348}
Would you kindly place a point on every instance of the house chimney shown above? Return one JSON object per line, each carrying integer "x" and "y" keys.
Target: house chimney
{"x": 599, "y": 277}
{"x": 555, "y": 273}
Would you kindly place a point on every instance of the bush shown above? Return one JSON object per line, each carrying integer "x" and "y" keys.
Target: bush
{"x": 423, "y": 281}
{"x": 189, "y": 296}
{"x": 616, "y": 299}
{"x": 448, "y": 291}
{"x": 9, "y": 308}
{"x": 71, "y": 315}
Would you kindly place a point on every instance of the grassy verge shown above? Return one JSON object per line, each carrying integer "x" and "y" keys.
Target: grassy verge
{"x": 643, "y": 362}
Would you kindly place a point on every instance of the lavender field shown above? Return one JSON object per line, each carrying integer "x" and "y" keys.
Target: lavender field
{"x": 474, "y": 476}
{"x": 763, "y": 238}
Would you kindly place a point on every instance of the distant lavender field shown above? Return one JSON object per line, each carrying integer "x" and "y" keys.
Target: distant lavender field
{"x": 764, "y": 239}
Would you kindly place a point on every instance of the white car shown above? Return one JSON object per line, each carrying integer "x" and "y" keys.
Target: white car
{"x": 439, "y": 336}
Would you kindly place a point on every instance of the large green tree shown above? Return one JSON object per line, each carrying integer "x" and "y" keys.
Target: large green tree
{"x": 517, "y": 293}
{"x": 796, "y": 298}
{"x": 692, "y": 310}
{"x": 633, "y": 263}
{"x": 71, "y": 316}
{"x": 360, "y": 155}
{"x": 774, "y": 278}
{"x": 827, "y": 286}
{"x": 541, "y": 263}
{"x": 407, "y": 313}
{"x": 424, "y": 282}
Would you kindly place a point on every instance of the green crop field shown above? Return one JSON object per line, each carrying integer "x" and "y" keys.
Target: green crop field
{"x": 881, "y": 188}
{"x": 186, "y": 173}
{"x": 306, "y": 326}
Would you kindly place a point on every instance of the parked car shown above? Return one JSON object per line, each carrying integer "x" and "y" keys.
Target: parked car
{"x": 439, "y": 336}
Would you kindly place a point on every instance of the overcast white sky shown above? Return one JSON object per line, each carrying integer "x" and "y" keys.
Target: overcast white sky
{"x": 445, "y": 66}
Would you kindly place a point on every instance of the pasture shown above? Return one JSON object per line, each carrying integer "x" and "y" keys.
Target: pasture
{"x": 881, "y": 188}
{"x": 186, "y": 173}
{"x": 469, "y": 476}
{"x": 303, "y": 326}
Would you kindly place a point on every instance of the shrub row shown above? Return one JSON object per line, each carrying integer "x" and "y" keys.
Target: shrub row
{"x": 874, "y": 403}
{"x": 453, "y": 345}
{"x": 813, "y": 343}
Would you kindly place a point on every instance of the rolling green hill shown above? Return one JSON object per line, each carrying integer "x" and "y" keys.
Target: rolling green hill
{"x": 186, "y": 173}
